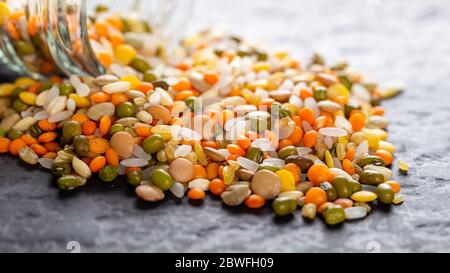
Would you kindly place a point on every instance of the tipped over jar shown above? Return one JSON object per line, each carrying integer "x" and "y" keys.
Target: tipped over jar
{"x": 66, "y": 37}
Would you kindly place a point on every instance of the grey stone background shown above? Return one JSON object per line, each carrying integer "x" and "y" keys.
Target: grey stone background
{"x": 404, "y": 41}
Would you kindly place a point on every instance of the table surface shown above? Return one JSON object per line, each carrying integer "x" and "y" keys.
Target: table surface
{"x": 392, "y": 40}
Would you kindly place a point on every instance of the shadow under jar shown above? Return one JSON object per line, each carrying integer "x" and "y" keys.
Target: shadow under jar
{"x": 48, "y": 37}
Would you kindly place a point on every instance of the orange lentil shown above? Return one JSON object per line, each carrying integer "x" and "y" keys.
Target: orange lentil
{"x": 243, "y": 142}
{"x": 130, "y": 169}
{"x": 316, "y": 196}
{"x": 184, "y": 94}
{"x": 55, "y": 79}
{"x": 295, "y": 170}
{"x": 297, "y": 120}
{"x": 51, "y": 146}
{"x": 232, "y": 157}
{"x": 4, "y": 144}
{"x": 307, "y": 114}
{"x": 225, "y": 115}
{"x": 118, "y": 98}
{"x": 385, "y": 155}
{"x": 216, "y": 186}
{"x": 182, "y": 84}
{"x": 252, "y": 135}
{"x": 143, "y": 131}
{"x": 116, "y": 40}
{"x": 104, "y": 125}
{"x": 31, "y": 25}
{"x": 199, "y": 171}
{"x": 112, "y": 157}
{"x": 318, "y": 173}
{"x": 86, "y": 159}
{"x": 378, "y": 110}
{"x": 47, "y": 67}
{"x": 235, "y": 150}
{"x": 285, "y": 142}
{"x": 212, "y": 170}
{"x": 12, "y": 30}
{"x": 51, "y": 155}
{"x": 101, "y": 29}
{"x": 115, "y": 22}
{"x": 344, "y": 202}
{"x": 183, "y": 66}
{"x": 80, "y": 117}
{"x": 297, "y": 135}
{"x": 196, "y": 194}
{"x": 99, "y": 97}
{"x": 34, "y": 87}
{"x": 47, "y": 137}
{"x": 144, "y": 87}
{"x": 305, "y": 93}
{"x": 350, "y": 154}
{"x": 97, "y": 163}
{"x": 347, "y": 165}
{"x": 98, "y": 145}
{"x": 320, "y": 122}
{"x": 88, "y": 127}
{"x": 209, "y": 143}
{"x": 357, "y": 120}
{"x": 254, "y": 201}
{"x": 38, "y": 149}
{"x": 266, "y": 103}
{"x": 16, "y": 145}
{"x": 45, "y": 125}
{"x": 28, "y": 139}
{"x": 105, "y": 58}
{"x": 210, "y": 77}
{"x": 323, "y": 207}
{"x": 310, "y": 138}
{"x": 221, "y": 171}
{"x": 394, "y": 185}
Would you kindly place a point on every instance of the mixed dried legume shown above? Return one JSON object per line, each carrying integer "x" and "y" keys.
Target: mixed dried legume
{"x": 246, "y": 124}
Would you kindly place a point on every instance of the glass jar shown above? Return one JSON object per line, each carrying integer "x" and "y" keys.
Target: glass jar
{"x": 48, "y": 37}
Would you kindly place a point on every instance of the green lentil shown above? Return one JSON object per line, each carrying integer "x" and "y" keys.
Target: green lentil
{"x": 14, "y": 134}
{"x": 140, "y": 65}
{"x": 255, "y": 154}
{"x": 149, "y": 77}
{"x": 69, "y": 182}
{"x": 343, "y": 188}
{"x": 59, "y": 168}
{"x": 65, "y": 89}
{"x": 371, "y": 177}
{"x": 370, "y": 160}
{"x": 35, "y": 131}
{"x": 116, "y": 128}
{"x": 320, "y": 94}
{"x": 385, "y": 193}
{"x": 134, "y": 178}
{"x": 266, "y": 166}
{"x": 153, "y": 144}
{"x": 287, "y": 151}
{"x": 19, "y": 105}
{"x": 284, "y": 206}
{"x": 108, "y": 173}
{"x": 81, "y": 145}
{"x": 161, "y": 179}
{"x": 125, "y": 109}
{"x": 330, "y": 191}
{"x": 334, "y": 214}
{"x": 70, "y": 130}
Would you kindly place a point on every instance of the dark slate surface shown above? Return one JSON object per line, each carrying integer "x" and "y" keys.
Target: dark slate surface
{"x": 401, "y": 40}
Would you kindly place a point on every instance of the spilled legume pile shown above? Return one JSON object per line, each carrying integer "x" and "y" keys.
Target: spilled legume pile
{"x": 227, "y": 117}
